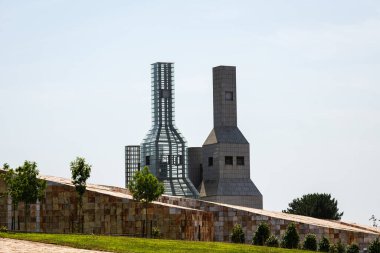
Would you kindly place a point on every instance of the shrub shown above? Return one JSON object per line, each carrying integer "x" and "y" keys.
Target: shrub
{"x": 310, "y": 242}
{"x": 374, "y": 246}
{"x": 3, "y": 229}
{"x": 155, "y": 232}
{"x": 261, "y": 235}
{"x": 341, "y": 247}
{"x": 272, "y": 241}
{"x": 291, "y": 237}
{"x": 324, "y": 245}
{"x": 353, "y": 248}
{"x": 333, "y": 248}
{"x": 338, "y": 248}
{"x": 237, "y": 235}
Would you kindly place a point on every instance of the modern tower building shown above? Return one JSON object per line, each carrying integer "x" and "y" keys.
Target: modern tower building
{"x": 225, "y": 153}
{"x": 132, "y": 162}
{"x": 164, "y": 149}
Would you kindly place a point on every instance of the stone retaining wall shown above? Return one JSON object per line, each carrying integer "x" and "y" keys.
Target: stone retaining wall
{"x": 107, "y": 214}
{"x": 111, "y": 210}
{"x": 226, "y": 216}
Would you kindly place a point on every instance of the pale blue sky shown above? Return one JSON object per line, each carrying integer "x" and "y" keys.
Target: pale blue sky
{"x": 75, "y": 81}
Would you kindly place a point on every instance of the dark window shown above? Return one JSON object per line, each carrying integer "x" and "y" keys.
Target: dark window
{"x": 180, "y": 159}
{"x": 147, "y": 160}
{"x": 228, "y": 160}
{"x": 229, "y": 96}
{"x": 164, "y": 93}
{"x": 210, "y": 161}
{"x": 240, "y": 160}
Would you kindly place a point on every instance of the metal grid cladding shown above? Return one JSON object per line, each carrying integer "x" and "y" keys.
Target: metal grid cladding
{"x": 132, "y": 162}
{"x": 164, "y": 149}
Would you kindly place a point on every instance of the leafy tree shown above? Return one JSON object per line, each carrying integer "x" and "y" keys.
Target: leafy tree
{"x": 80, "y": 172}
{"x": 261, "y": 235}
{"x": 145, "y": 188}
{"x": 24, "y": 186}
{"x": 374, "y": 246}
{"x": 324, "y": 245}
{"x": 12, "y": 190}
{"x": 272, "y": 241}
{"x": 317, "y": 205}
{"x": 291, "y": 237}
{"x": 237, "y": 235}
{"x": 310, "y": 242}
{"x": 353, "y": 248}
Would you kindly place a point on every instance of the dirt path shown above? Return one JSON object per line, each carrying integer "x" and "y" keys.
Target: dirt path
{"x": 19, "y": 246}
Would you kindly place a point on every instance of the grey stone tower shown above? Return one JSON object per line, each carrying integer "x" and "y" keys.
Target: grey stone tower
{"x": 164, "y": 149}
{"x": 225, "y": 153}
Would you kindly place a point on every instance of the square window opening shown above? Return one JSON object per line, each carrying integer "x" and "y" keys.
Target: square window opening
{"x": 228, "y": 160}
{"x": 240, "y": 160}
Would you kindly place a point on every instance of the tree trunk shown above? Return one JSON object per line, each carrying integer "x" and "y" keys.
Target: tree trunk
{"x": 80, "y": 218}
{"x": 26, "y": 206}
{"x": 14, "y": 216}
{"x": 146, "y": 218}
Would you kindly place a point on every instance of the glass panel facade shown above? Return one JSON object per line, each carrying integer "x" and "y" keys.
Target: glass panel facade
{"x": 132, "y": 162}
{"x": 164, "y": 144}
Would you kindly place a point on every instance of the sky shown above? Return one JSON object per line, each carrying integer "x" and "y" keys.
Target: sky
{"x": 75, "y": 81}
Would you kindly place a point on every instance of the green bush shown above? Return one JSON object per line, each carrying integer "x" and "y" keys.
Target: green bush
{"x": 237, "y": 235}
{"x": 353, "y": 248}
{"x": 338, "y": 248}
{"x": 261, "y": 235}
{"x": 310, "y": 242}
{"x": 291, "y": 237}
{"x": 324, "y": 245}
{"x": 374, "y": 246}
{"x": 155, "y": 232}
{"x": 333, "y": 248}
{"x": 341, "y": 247}
{"x": 272, "y": 241}
{"x": 3, "y": 229}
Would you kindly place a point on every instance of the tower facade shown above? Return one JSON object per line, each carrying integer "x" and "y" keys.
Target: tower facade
{"x": 225, "y": 153}
{"x": 132, "y": 162}
{"x": 164, "y": 149}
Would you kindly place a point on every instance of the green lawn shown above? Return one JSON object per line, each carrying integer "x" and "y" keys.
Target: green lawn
{"x": 128, "y": 244}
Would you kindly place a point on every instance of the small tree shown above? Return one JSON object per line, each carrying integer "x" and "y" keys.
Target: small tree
{"x": 272, "y": 241}
{"x": 310, "y": 242}
{"x": 261, "y": 235}
{"x": 324, "y": 245}
{"x": 12, "y": 190}
{"x": 80, "y": 172}
{"x": 237, "y": 235}
{"x": 374, "y": 246}
{"x": 24, "y": 186}
{"x": 145, "y": 188}
{"x": 353, "y": 248}
{"x": 291, "y": 237}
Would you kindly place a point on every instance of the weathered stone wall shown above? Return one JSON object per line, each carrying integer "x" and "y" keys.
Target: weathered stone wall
{"x": 111, "y": 210}
{"x": 107, "y": 214}
{"x": 3, "y": 203}
{"x": 226, "y": 216}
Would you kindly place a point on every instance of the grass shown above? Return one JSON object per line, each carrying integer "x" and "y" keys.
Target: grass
{"x": 135, "y": 245}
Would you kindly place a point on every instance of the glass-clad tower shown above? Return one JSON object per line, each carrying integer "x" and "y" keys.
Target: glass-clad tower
{"x": 164, "y": 149}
